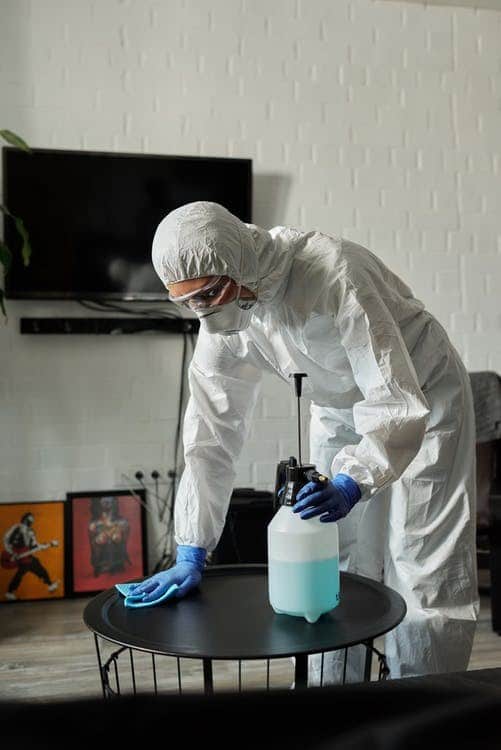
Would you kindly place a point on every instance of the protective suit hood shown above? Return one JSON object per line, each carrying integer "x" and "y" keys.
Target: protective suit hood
{"x": 205, "y": 239}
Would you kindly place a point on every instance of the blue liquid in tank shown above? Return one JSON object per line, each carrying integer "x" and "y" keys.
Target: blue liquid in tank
{"x": 304, "y": 589}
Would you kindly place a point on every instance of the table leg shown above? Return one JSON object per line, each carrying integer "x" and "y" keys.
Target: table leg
{"x": 100, "y": 664}
{"x": 208, "y": 679}
{"x": 368, "y": 660}
{"x": 301, "y": 671}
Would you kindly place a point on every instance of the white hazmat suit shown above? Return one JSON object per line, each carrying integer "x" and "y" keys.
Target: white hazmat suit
{"x": 391, "y": 407}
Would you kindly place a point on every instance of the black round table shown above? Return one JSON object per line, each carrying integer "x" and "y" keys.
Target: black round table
{"x": 230, "y": 618}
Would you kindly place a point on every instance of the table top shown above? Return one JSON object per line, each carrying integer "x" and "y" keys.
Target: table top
{"x": 230, "y": 617}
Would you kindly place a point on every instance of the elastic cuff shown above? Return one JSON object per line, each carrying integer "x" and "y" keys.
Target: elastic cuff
{"x": 195, "y": 555}
{"x": 348, "y": 485}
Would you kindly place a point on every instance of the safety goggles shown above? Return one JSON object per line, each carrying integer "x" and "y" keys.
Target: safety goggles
{"x": 207, "y": 296}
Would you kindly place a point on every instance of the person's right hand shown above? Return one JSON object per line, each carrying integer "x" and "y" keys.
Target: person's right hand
{"x": 186, "y": 574}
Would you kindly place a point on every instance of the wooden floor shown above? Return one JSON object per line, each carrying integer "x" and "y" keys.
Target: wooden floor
{"x": 47, "y": 653}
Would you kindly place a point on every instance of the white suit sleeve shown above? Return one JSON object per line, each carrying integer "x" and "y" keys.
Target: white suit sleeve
{"x": 223, "y": 393}
{"x": 391, "y": 417}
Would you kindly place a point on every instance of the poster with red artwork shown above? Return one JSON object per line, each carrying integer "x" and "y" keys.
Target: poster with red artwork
{"x": 107, "y": 532}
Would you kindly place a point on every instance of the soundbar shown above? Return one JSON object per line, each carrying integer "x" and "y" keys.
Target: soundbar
{"x": 108, "y": 326}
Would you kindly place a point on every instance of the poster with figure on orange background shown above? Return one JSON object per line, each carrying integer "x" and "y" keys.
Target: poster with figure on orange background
{"x": 32, "y": 551}
{"x": 107, "y": 532}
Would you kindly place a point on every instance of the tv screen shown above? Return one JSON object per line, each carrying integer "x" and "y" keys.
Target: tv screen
{"x": 91, "y": 216}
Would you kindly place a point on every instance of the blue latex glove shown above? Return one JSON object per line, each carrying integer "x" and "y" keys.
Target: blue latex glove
{"x": 134, "y": 602}
{"x": 185, "y": 575}
{"x": 331, "y": 502}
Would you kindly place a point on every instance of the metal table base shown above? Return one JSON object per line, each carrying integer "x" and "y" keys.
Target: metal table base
{"x": 115, "y": 683}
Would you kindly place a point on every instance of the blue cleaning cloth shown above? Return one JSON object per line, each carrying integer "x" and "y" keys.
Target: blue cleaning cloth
{"x": 124, "y": 588}
{"x": 134, "y": 602}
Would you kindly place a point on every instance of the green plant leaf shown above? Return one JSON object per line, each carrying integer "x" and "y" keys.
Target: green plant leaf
{"x": 5, "y": 256}
{"x": 26, "y": 249}
{"x": 14, "y": 140}
{"x": 23, "y": 232}
{"x": 2, "y": 304}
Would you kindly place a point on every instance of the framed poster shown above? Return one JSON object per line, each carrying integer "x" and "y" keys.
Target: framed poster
{"x": 32, "y": 557}
{"x": 106, "y": 532}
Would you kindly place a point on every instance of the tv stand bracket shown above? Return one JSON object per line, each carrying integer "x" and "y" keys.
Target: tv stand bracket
{"x": 110, "y": 326}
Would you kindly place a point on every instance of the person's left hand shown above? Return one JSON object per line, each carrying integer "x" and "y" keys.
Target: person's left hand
{"x": 331, "y": 501}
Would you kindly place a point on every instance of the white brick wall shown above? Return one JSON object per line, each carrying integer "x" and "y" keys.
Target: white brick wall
{"x": 377, "y": 120}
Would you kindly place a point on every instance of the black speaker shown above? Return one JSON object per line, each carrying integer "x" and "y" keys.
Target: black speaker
{"x": 244, "y": 537}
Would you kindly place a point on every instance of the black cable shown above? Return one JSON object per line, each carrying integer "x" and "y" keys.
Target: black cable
{"x": 155, "y": 475}
{"x": 177, "y": 441}
{"x": 102, "y": 305}
{"x": 180, "y": 404}
{"x": 139, "y": 476}
{"x": 170, "y": 501}
{"x": 166, "y": 559}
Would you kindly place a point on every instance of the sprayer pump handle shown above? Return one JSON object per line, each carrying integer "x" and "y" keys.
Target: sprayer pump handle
{"x": 298, "y": 381}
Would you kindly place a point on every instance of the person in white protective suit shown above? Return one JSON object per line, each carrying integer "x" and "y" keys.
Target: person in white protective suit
{"x": 391, "y": 416}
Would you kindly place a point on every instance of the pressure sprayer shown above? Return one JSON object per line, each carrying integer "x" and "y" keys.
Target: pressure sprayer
{"x": 303, "y": 555}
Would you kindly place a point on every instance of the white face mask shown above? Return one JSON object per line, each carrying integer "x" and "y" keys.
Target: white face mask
{"x": 230, "y": 318}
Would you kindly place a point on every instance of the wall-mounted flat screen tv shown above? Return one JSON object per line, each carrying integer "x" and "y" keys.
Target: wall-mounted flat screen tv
{"x": 91, "y": 216}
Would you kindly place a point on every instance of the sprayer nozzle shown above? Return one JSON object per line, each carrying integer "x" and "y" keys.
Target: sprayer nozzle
{"x": 298, "y": 382}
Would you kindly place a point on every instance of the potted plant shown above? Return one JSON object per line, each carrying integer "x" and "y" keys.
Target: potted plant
{"x": 5, "y": 253}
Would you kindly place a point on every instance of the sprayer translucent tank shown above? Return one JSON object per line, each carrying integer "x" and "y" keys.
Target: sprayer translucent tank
{"x": 303, "y": 565}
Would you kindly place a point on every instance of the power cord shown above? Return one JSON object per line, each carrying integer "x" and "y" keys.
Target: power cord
{"x": 167, "y": 558}
{"x": 168, "y": 501}
{"x": 135, "y": 495}
{"x": 140, "y": 476}
{"x": 128, "y": 480}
